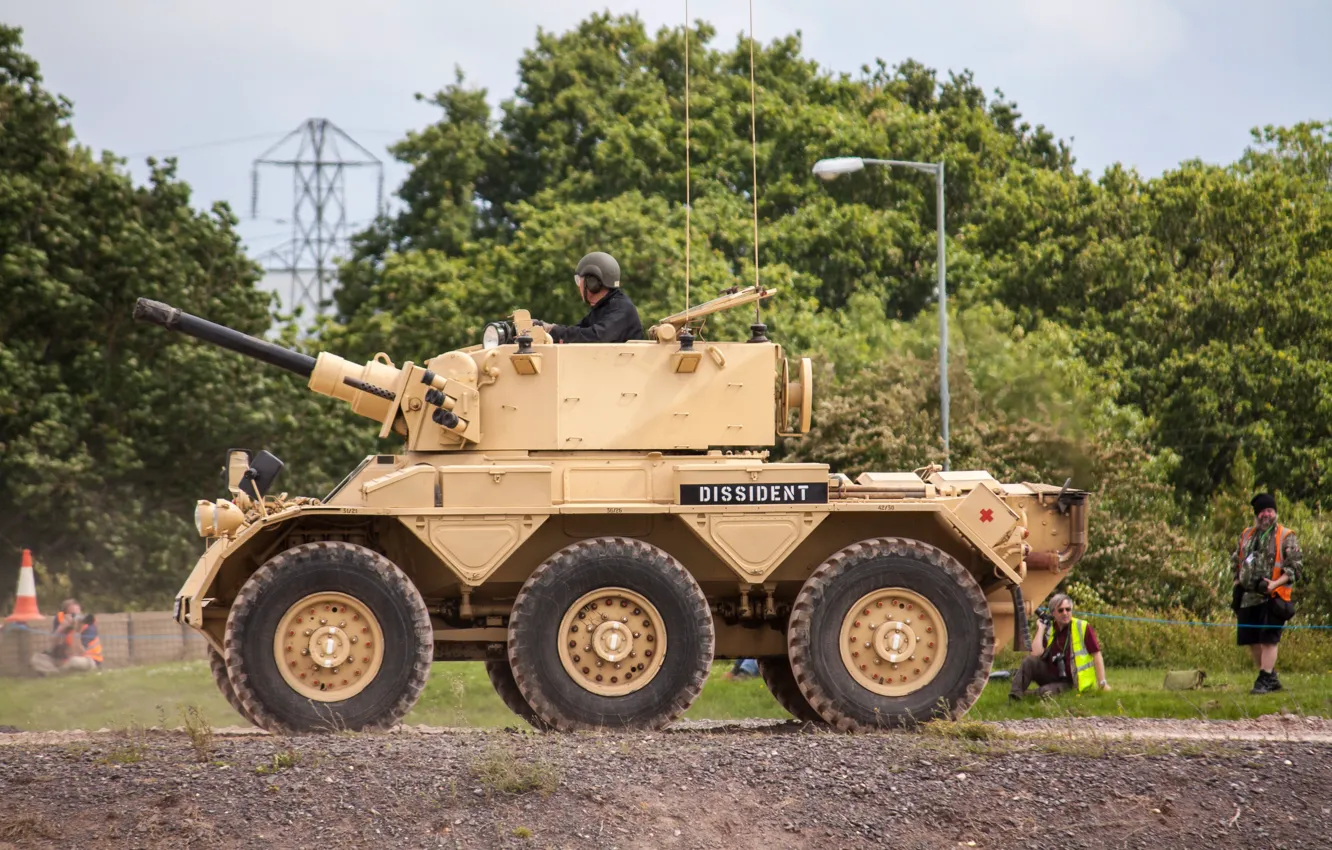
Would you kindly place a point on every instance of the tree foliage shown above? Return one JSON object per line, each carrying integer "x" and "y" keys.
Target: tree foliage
{"x": 589, "y": 154}
{"x": 109, "y": 430}
{"x": 1163, "y": 341}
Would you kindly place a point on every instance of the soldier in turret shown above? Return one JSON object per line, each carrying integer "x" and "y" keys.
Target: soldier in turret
{"x": 613, "y": 317}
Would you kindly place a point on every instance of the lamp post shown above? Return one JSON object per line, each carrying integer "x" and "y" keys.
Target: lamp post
{"x": 830, "y": 169}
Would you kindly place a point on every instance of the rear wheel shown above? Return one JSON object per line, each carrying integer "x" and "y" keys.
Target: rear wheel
{"x": 326, "y": 637}
{"x": 610, "y": 632}
{"x": 890, "y": 632}
{"x": 218, "y": 665}
{"x": 501, "y": 678}
{"x": 777, "y": 675}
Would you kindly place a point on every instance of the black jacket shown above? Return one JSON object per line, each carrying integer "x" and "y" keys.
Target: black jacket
{"x": 613, "y": 319}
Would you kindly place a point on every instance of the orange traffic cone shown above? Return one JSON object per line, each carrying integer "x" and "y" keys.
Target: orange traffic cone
{"x": 25, "y": 606}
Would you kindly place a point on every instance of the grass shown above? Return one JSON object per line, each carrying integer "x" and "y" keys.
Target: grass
{"x": 459, "y": 694}
{"x": 113, "y": 698}
{"x": 131, "y": 746}
{"x": 282, "y": 760}
{"x": 501, "y": 771}
{"x": 200, "y": 732}
{"x": 1138, "y": 692}
{"x": 23, "y": 828}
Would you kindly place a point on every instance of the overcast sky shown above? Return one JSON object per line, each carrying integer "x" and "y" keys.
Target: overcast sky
{"x": 1144, "y": 82}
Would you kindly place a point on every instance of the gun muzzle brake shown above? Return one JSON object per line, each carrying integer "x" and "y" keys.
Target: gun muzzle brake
{"x": 387, "y": 395}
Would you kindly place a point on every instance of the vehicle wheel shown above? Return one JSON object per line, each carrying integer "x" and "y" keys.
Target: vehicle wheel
{"x": 610, "y": 632}
{"x": 326, "y": 637}
{"x": 777, "y": 675}
{"x": 218, "y": 665}
{"x": 890, "y": 632}
{"x": 501, "y": 678}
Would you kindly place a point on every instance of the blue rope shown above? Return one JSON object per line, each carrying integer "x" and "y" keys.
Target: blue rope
{"x": 1193, "y": 622}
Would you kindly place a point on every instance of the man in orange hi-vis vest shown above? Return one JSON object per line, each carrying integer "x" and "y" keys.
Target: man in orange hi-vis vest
{"x": 75, "y": 644}
{"x": 1266, "y": 564}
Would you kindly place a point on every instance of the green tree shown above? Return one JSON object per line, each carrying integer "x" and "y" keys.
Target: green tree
{"x": 1205, "y": 292}
{"x": 591, "y": 149}
{"x": 109, "y": 430}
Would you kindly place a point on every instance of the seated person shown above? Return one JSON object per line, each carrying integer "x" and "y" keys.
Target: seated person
{"x": 1064, "y": 655}
{"x": 75, "y": 644}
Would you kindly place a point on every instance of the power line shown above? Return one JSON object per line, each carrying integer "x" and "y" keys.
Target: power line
{"x": 219, "y": 143}
{"x": 258, "y": 137}
{"x": 261, "y": 237}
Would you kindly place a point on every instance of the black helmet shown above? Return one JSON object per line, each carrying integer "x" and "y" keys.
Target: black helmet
{"x": 602, "y": 270}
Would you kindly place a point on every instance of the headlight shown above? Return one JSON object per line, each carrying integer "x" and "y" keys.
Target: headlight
{"x": 496, "y": 334}
{"x": 205, "y": 518}
{"x": 227, "y": 518}
{"x": 218, "y": 520}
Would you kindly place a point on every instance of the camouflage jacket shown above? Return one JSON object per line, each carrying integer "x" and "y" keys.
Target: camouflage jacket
{"x": 1263, "y": 549}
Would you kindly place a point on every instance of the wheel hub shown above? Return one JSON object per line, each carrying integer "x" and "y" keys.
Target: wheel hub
{"x": 893, "y": 641}
{"x": 612, "y": 641}
{"x": 328, "y": 646}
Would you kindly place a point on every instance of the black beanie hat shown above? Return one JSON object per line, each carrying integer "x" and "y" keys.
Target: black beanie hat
{"x": 1263, "y": 501}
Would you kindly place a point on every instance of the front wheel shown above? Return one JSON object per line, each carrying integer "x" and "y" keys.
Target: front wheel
{"x": 890, "y": 632}
{"x": 327, "y": 637}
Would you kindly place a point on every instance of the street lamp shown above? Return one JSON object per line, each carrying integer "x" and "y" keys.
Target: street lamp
{"x": 831, "y": 169}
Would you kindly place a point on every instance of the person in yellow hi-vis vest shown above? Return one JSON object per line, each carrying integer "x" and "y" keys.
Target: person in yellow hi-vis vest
{"x": 1266, "y": 565}
{"x": 1065, "y": 654}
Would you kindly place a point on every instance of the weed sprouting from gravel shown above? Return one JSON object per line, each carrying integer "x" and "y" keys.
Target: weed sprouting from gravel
{"x": 131, "y": 748}
{"x": 282, "y": 760}
{"x": 124, "y": 754}
{"x": 26, "y": 828}
{"x": 458, "y": 688}
{"x": 200, "y": 732}
{"x": 966, "y": 730}
{"x": 522, "y": 832}
{"x": 77, "y": 750}
{"x": 504, "y": 772}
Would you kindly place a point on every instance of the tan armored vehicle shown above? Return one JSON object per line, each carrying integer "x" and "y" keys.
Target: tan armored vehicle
{"x": 562, "y": 513}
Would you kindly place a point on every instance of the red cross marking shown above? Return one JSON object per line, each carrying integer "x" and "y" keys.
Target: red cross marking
{"x": 987, "y": 515}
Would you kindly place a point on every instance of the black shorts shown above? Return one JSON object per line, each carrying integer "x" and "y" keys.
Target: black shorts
{"x": 1250, "y": 620}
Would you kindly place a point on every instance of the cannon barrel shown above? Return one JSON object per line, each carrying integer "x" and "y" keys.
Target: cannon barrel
{"x": 175, "y": 319}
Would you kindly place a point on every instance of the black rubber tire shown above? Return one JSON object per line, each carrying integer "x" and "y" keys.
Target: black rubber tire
{"x": 501, "y": 678}
{"x": 583, "y": 567}
{"x": 345, "y": 568}
{"x": 861, "y": 568}
{"x": 781, "y": 682}
{"x": 218, "y": 665}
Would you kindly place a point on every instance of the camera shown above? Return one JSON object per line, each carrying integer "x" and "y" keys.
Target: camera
{"x": 1259, "y": 584}
{"x": 1043, "y": 614}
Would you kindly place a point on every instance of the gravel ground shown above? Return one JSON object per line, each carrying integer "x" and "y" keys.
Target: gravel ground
{"x": 1107, "y": 782}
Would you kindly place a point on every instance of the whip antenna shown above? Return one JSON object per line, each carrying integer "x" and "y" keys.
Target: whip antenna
{"x": 688, "y": 205}
{"x": 753, "y": 149}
